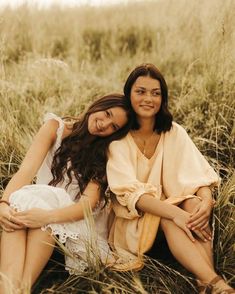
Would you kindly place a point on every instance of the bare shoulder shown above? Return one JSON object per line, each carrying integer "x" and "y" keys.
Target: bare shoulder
{"x": 51, "y": 126}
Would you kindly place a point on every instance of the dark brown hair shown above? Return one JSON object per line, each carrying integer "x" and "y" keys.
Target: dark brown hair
{"x": 163, "y": 120}
{"x": 84, "y": 155}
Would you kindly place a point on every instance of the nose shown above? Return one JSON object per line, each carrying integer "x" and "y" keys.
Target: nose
{"x": 106, "y": 123}
{"x": 148, "y": 97}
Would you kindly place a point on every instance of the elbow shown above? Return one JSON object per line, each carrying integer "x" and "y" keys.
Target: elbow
{"x": 90, "y": 202}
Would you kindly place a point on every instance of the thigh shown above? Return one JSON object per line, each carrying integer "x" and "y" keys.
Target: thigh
{"x": 40, "y": 246}
{"x": 13, "y": 247}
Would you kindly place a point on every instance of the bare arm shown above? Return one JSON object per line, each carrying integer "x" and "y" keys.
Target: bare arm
{"x": 41, "y": 144}
{"x": 75, "y": 212}
{"x": 36, "y": 217}
{"x": 149, "y": 204}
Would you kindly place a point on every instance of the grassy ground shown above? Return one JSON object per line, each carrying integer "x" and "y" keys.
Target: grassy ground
{"x": 59, "y": 60}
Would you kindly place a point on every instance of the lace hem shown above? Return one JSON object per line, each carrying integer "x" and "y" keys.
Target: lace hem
{"x": 61, "y": 231}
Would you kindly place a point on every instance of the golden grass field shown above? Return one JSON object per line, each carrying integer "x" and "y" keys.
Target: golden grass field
{"x": 59, "y": 60}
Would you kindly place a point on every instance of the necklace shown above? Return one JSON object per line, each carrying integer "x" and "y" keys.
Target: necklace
{"x": 143, "y": 141}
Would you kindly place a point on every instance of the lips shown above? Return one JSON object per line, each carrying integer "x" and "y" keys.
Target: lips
{"x": 146, "y": 106}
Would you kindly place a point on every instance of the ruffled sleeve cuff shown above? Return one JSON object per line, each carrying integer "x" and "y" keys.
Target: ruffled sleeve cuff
{"x": 125, "y": 206}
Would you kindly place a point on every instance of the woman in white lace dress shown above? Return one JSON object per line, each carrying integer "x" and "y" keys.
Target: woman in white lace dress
{"x": 69, "y": 161}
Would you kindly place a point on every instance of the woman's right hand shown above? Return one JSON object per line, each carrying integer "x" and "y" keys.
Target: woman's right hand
{"x": 7, "y": 221}
{"x": 181, "y": 219}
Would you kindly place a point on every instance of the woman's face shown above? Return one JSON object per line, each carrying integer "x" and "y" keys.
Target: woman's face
{"x": 106, "y": 122}
{"x": 146, "y": 97}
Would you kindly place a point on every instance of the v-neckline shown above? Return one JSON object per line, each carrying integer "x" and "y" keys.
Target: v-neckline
{"x": 140, "y": 152}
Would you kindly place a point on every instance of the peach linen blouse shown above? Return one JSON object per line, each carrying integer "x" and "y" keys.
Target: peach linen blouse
{"x": 174, "y": 173}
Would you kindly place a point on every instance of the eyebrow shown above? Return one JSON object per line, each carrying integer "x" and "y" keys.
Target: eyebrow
{"x": 146, "y": 88}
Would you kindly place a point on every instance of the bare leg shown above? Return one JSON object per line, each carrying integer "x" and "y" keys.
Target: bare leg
{"x": 13, "y": 248}
{"x": 40, "y": 246}
{"x": 204, "y": 247}
{"x": 186, "y": 252}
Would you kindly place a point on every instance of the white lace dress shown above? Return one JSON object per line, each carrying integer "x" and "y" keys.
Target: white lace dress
{"x": 82, "y": 243}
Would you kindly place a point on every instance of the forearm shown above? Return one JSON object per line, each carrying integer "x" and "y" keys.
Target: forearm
{"x": 148, "y": 203}
{"x": 19, "y": 180}
{"x": 71, "y": 213}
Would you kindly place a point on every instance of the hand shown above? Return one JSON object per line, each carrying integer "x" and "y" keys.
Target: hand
{"x": 181, "y": 220}
{"x": 33, "y": 218}
{"x": 7, "y": 221}
{"x": 204, "y": 235}
{"x": 200, "y": 215}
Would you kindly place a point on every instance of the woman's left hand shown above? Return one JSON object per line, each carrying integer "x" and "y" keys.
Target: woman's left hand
{"x": 200, "y": 217}
{"x": 33, "y": 218}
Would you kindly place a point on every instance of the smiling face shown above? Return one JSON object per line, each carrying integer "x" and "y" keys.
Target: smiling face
{"x": 146, "y": 97}
{"x": 106, "y": 122}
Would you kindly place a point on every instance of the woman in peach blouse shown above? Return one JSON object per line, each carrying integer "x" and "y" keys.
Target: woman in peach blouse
{"x": 159, "y": 178}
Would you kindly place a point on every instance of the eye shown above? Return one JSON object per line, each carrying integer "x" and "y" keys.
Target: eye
{"x": 115, "y": 128}
{"x": 139, "y": 91}
{"x": 156, "y": 93}
{"x": 107, "y": 113}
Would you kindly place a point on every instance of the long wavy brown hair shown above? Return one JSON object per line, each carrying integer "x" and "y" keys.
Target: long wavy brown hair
{"x": 84, "y": 155}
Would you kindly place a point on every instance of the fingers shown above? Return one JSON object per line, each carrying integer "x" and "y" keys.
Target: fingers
{"x": 206, "y": 235}
{"x": 203, "y": 235}
{"x": 205, "y": 226}
{"x": 189, "y": 234}
{"x": 6, "y": 229}
{"x": 196, "y": 223}
{"x": 12, "y": 225}
{"x": 15, "y": 220}
{"x": 200, "y": 225}
{"x": 197, "y": 215}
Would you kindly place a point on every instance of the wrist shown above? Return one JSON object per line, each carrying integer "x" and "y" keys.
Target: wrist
{"x": 175, "y": 212}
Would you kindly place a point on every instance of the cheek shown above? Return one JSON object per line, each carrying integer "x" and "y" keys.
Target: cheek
{"x": 134, "y": 101}
{"x": 158, "y": 101}
{"x": 90, "y": 118}
{"x": 107, "y": 133}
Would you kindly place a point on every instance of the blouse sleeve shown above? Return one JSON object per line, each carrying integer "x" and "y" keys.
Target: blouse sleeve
{"x": 121, "y": 174}
{"x": 185, "y": 169}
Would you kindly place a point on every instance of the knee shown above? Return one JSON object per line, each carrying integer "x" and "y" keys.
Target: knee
{"x": 189, "y": 204}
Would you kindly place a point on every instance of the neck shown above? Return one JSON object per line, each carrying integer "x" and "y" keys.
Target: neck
{"x": 146, "y": 125}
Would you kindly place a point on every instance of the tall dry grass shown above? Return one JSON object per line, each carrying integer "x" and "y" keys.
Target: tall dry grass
{"x": 59, "y": 60}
